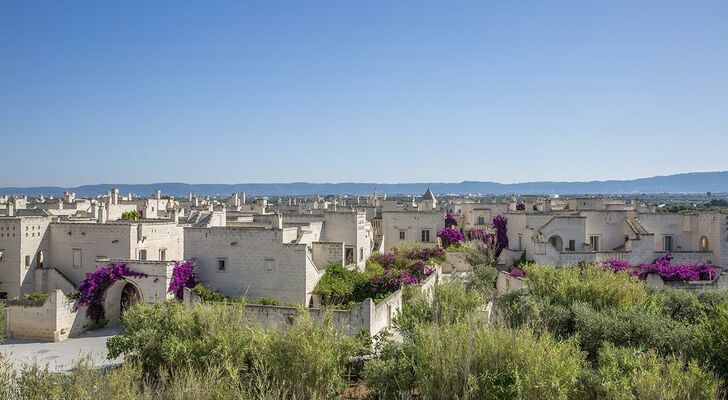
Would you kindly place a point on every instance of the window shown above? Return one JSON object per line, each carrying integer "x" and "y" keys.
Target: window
{"x": 425, "y": 236}
{"x": 77, "y": 258}
{"x": 27, "y": 261}
{"x": 520, "y": 242}
{"x": 572, "y": 245}
{"x": 221, "y": 264}
{"x": 594, "y": 243}
{"x": 667, "y": 243}
{"x": 401, "y": 235}
{"x": 142, "y": 255}
{"x": 270, "y": 264}
{"x": 361, "y": 254}
{"x": 481, "y": 220}
{"x": 163, "y": 255}
{"x": 704, "y": 246}
{"x": 2, "y": 252}
{"x": 3, "y": 295}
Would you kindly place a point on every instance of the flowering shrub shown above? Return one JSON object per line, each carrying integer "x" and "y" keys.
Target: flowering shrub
{"x": 684, "y": 272}
{"x": 450, "y": 221}
{"x": 616, "y": 265}
{"x": 517, "y": 272}
{"x": 183, "y": 276}
{"x": 385, "y": 273}
{"x": 480, "y": 234}
{"x": 520, "y": 206}
{"x": 499, "y": 223}
{"x": 450, "y": 237}
{"x": 436, "y": 254}
{"x": 92, "y": 290}
{"x": 664, "y": 267}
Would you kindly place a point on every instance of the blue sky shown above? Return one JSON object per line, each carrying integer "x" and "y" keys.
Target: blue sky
{"x": 231, "y": 92}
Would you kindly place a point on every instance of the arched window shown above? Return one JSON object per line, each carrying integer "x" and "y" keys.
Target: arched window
{"x": 557, "y": 242}
{"x": 704, "y": 244}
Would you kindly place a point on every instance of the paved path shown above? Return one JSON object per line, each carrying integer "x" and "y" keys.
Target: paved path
{"x": 61, "y": 356}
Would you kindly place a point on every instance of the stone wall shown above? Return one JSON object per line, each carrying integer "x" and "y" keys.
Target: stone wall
{"x": 507, "y": 282}
{"x": 53, "y": 320}
{"x": 365, "y": 315}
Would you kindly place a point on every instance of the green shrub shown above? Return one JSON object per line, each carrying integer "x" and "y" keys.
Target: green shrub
{"x": 600, "y": 288}
{"x": 635, "y": 327}
{"x": 712, "y": 336}
{"x": 460, "y": 361}
{"x": 628, "y": 373}
{"x": 42, "y": 297}
{"x": 452, "y": 302}
{"x": 207, "y": 294}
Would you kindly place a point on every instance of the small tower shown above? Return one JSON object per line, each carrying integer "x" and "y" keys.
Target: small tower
{"x": 428, "y": 201}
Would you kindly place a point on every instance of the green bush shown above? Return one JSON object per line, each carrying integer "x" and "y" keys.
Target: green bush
{"x": 712, "y": 336}
{"x": 628, "y": 373}
{"x": 207, "y": 294}
{"x": 42, "y": 297}
{"x": 635, "y": 327}
{"x": 451, "y": 302}
{"x": 600, "y": 288}
{"x": 305, "y": 361}
{"x": 457, "y": 361}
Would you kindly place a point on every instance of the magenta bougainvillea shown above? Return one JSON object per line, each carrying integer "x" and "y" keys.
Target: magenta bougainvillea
{"x": 664, "y": 267}
{"x": 480, "y": 234}
{"x": 450, "y": 237}
{"x": 450, "y": 221}
{"x": 183, "y": 276}
{"x": 520, "y": 206}
{"x": 92, "y": 290}
{"x": 518, "y": 272}
{"x": 436, "y": 254}
{"x": 499, "y": 224}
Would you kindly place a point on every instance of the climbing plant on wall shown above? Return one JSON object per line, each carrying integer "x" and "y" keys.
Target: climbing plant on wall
{"x": 92, "y": 290}
{"x": 183, "y": 276}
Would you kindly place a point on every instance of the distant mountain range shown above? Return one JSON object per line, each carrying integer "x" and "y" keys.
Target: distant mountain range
{"x": 695, "y": 182}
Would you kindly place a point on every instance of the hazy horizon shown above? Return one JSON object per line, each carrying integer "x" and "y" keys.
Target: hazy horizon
{"x": 360, "y": 92}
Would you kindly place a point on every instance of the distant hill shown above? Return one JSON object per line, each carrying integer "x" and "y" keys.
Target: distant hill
{"x": 695, "y": 182}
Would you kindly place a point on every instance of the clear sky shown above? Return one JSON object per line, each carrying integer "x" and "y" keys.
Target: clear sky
{"x": 390, "y": 91}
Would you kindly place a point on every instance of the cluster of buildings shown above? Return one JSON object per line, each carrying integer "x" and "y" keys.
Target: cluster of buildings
{"x": 280, "y": 248}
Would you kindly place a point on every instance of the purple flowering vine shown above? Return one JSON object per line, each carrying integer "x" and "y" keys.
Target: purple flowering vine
{"x": 520, "y": 206}
{"x": 450, "y": 221}
{"x": 499, "y": 224}
{"x": 183, "y": 276}
{"x": 92, "y": 290}
{"x": 663, "y": 266}
{"x": 450, "y": 237}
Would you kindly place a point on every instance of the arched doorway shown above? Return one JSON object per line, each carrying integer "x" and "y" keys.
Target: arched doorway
{"x": 556, "y": 241}
{"x": 129, "y": 295}
{"x": 119, "y": 297}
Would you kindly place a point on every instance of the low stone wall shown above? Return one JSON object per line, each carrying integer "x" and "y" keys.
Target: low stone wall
{"x": 455, "y": 263}
{"x": 365, "y": 315}
{"x": 687, "y": 257}
{"x": 53, "y": 320}
{"x": 655, "y": 281}
{"x": 506, "y": 282}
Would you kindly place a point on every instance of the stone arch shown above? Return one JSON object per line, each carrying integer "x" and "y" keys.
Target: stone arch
{"x": 557, "y": 242}
{"x": 704, "y": 243}
{"x": 122, "y": 294}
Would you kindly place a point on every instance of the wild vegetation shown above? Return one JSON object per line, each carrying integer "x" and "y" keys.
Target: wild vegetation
{"x": 574, "y": 333}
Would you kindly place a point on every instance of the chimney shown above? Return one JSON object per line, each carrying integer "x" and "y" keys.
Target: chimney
{"x": 278, "y": 220}
{"x": 115, "y": 196}
{"x": 242, "y": 201}
{"x": 11, "y": 209}
{"x": 158, "y": 194}
{"x": 103, "y": 213}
